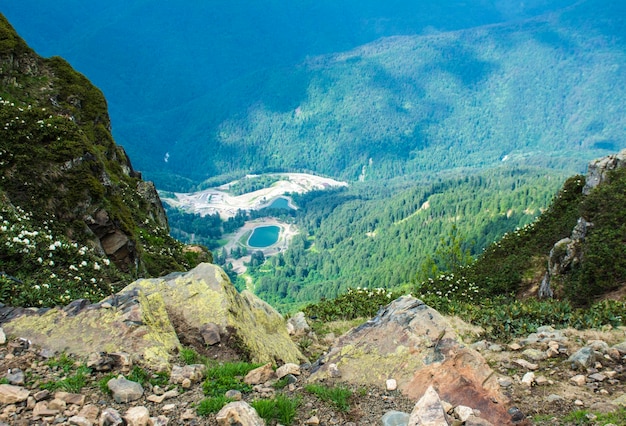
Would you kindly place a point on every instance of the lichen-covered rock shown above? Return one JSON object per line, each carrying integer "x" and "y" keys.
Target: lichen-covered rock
{"x": 205, "y": 295}
{"x": 417, "y": 345}
{"x": 136, "y": 321}
{"x": 598, "y": 169}
{"x": 138, "y": 325}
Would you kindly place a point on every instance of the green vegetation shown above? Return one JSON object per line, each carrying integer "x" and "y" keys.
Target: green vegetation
{"x": 212, "y": 405}
{"x": 281, "y": 408}
{"x": 73, "y": 383}
{"x": 190, "y": 356}
{"x": 252, "y": 183}
{"x": 336, "y": 395}
{"x": 387, "y": 236}
{"x": 359, "y": 303}
{"x": 227, "y": 376}
{"x": 63, "y": 183}
{"x": 586, "y": 417}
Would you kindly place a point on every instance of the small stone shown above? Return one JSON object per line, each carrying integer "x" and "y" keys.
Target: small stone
{"x": 542, "y": 381}
{"x": 333, "y": 371}
{"x": 111, "y": 417}
{"x": 193, "y": 372}
{"x": 137, "y": 416}
{"x": 505, "y": 382}
{"x": 291, "y": 379}
{"x": 186, "y": 383}
{"x": 188, "y": 414}
{"x": 41, "y": 410}
{"x": 603, "y": 407}
{"x": 525, "y": 364}
{"x": 597, "y": 377}
{"x": 210, "y": 334}
{"x": 125, "y": 390}
{"x": 157, "y": 399}
{"x": 582, "y": 359}
{"x": 314, "y": 420}
{"x": 168, "y": 407}
{"x": 30, "y": 403}
{"x": 554, "y": 398}
{"x": 532, "y": 354}
{"x": 41, "y": 395}
{"x": 515, "y": 346}
{"x": 3, "y": 337}
{"x": 289, "y": 368}
{"x": 391, "y": 384}
{"x": 463, "y": 412}
{"x": 80, "y": 421}
{"x": 260, "y": 375}
{"x": 428, "y": 410}
{"x": 528, "y": 379}
{"x": 158, "y": 421}
{"x": 70, "y": 398}
{"x": 15, "y": 376}
{"x": 495, "y": 348}
{"x": 234, "y": 395}
{"x": 10, "y": 394}
{"x": 238, "y": 412}
{"x": 579, "y": 403}
{"x": 90, "y": 412}
{"x": 579, "y": 380}
{"x": 57, "y": 404}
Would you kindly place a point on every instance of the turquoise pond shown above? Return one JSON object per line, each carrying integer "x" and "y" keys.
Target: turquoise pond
{"x": 264, "y": 236}
{"x": 280, "y": 203}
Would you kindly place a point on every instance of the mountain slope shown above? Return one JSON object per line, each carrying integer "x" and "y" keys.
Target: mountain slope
{"x": 69, "y": 197}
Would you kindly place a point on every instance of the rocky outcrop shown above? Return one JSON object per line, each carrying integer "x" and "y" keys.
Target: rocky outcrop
{"x": 142, "y": 320}
{"x": 598, "y": 169}
{"x": 415, "y": 345}
{"x": 567, "y": 253}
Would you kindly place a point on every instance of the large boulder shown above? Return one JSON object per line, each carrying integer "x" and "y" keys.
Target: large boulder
{"x": 598, "y": 170}
{"x": 138, "y": 320}
{"x": 415, "y": 345}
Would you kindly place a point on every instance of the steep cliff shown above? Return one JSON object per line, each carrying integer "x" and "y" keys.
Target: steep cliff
{"x": 69, "y": 197}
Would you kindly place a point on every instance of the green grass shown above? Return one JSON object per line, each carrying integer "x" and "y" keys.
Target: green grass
{"x": 281, "y": 408}
{"x": 103, "y": 383}
{"x": 212, "y": 405}
{"x": 227, "y": 376}
{"x": 585, "y": 417}
{"x": 73, "y": 383}
{"x": 62, "y": 362}
{"x": 190, "y": 356}
{"x": 336, "y": 395}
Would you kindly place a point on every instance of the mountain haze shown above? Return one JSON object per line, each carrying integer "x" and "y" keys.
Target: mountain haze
{"x": 232, "y": 88}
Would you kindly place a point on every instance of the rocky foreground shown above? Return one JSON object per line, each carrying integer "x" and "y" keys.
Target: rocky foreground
{"x": 123, "y": 361}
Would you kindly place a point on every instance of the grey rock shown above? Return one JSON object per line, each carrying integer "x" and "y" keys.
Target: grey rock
{"x": 395, "y": 418}
{"x": 111, "y": 417}
{"x": 298, "y": 324}
{"x": 238, "y": 413}
{"x": 3, "y": 337}
{"x": 15, "y": 376}
{"x": 79, "y": 421}
{"x": 598, "y": 346}
{"x": 291, "y": 379}
{"x": 583, "y": 358}
{"x": 597, "y": 170}
{"x": 621, "y": 347}
{"x": 158, "y": 421}
{"x": 194, "y": 372}
{"x": 125, "y": 390}
{"x": 554, "y": 398}
{"x": 532, "y": 354}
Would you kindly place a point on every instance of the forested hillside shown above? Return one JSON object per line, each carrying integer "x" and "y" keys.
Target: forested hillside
{"x": 363, "y": 238}
{"x": 351, "y": 89}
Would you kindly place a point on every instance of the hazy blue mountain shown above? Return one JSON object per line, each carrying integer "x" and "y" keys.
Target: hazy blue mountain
{"x": 217, "y": 84}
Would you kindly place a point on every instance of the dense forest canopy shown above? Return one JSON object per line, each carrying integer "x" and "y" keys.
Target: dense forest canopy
{"x": 349, "y": 89}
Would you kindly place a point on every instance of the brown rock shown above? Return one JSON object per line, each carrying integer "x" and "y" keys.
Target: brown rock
{"x": 238, "y": 413}
{"x": 210, "y": 334}
{"x": 90, "y": 412}
{"x": 260, "y": 375}
{"x": 428, "y": 411}
{"x": 289, "y": 368}
{"x": 137, "y": 416}
{"x": 10, "y": 394}
{"x": 70, "y": 398}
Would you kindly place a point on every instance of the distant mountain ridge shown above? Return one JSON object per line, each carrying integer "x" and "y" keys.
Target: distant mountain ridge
{"x": 426, "y": 101}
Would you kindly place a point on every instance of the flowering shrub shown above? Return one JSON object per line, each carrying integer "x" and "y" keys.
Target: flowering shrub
{"x": 355, "y": 303}
{"x": 39, "y": 266}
